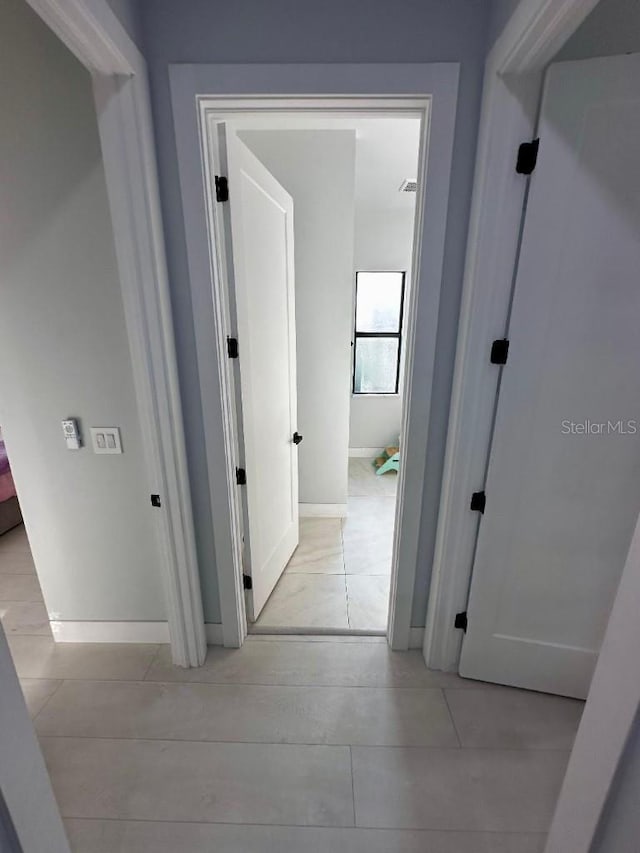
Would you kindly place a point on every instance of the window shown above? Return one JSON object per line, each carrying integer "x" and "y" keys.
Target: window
{"x": 378, "y": 326}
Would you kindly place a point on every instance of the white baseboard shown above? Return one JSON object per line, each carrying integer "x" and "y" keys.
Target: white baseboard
{"x": 110, "y": 632}
{"x": 416, "y": 638}
{"x": 322, "y": 510}
{"x": 370, "y": 452}
{"x": 124, "y": 632}
{"x": 213, "y": 633}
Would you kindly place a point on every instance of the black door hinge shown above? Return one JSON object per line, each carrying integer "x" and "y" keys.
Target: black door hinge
{"x": 478, "y": 501}
{"x": 499, "y": 351}
{"x": 247, "y": 583}
{"x": 461, "y": 621}
{"x": 241, "y": 477}
{"x": 155, "y": 500}
{"x": 232, "y": 347}
{"x": 222, "y": 188}
{"x": 527, "y": 157}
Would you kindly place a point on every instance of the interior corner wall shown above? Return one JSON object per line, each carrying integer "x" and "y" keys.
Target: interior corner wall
{"x": 612, "y": 28}
{"x": 501, "y": 11}
{"x": 317, "y": 168}
{"x": 127, "y": 12}
{"x": 292, "y": 31}
{"x": 64, "y": 349}
{"x": 383, "y": 241}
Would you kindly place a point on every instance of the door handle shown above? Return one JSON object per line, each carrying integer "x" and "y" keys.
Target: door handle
{"x": 297, "y": 438}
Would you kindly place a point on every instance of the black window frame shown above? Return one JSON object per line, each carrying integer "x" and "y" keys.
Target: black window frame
{"x": 389, "y": 335}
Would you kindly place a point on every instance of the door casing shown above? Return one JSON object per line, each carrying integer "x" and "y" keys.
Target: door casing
{"x": 204, "y": 95}
{"x": 249, "y": 116}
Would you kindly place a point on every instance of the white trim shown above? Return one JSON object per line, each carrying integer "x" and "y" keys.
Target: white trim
{"x": 535, "y": 33}
{"x": 416, "y": 638}
{"x": 336, "y": 633}
{"x": 110, "y": 632}
{"x": 214, "y": 633}
{"x": 368, "y": 396}
{"x": 508, "y": 116}
{"x": 364, "y": 452}
{"x": 322, "y": 510}
{"x": 246, "y": 88}
{"x": 93, "y": 33}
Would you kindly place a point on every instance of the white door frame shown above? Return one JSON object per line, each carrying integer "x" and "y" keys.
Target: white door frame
{"x": 510, "y": 101}
{"x": 94, "y": 35}
{"x": 201, "y": 91}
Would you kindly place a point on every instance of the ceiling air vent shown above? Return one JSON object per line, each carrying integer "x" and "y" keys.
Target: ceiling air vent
{"x": 409, "y": 185}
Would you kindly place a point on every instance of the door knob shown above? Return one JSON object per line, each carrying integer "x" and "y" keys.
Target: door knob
{"x": 297, "y": 438}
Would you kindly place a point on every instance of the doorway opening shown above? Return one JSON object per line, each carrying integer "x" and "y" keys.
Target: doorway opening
{"x": 22, "y": 609}
{"x": 319, "y": 234}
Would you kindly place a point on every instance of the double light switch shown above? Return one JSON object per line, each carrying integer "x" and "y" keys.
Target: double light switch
{"x": 106, "y": 440}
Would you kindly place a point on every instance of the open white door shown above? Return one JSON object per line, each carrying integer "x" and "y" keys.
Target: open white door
{"x": 261, "y": 218}
{"x": 563, "y": 485}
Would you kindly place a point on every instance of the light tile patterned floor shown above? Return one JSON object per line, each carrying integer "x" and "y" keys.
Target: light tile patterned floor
{"x": 290, "y": 744}
{"x": 339, "y": 575}
{"x": 293, "y": 744}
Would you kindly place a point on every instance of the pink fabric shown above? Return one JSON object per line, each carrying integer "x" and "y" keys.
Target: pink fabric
{"x": 7, "y": 487}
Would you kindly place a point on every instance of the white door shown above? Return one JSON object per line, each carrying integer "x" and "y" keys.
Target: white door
{"x": 261, "y": 215}
{"x": 563, "y": 485}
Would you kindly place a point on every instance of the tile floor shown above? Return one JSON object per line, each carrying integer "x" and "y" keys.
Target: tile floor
{"x": 338, "y": 577}
{"x": 22, "y": 609}
{"x": 289, "y": 744}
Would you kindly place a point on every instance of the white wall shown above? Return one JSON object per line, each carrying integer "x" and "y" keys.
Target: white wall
{"x": 63, "y": 343}
{"x": 318, "y": 169}
{"x": 383, "y": 241}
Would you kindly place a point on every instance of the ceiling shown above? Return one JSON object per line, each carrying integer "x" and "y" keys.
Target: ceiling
{"x": 386, "y": 152}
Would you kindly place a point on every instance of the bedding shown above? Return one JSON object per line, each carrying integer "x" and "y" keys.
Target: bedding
{"x": 7, "y": 487}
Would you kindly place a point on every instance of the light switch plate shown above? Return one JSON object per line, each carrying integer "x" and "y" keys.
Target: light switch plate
{"x": 106, "y": 439}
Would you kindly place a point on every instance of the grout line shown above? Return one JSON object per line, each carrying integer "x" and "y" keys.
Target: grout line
{"x": 353, "y": 786}
{"x": 21, "y": 600}
{"x": 18, "y": 575}
{"x": 48, "y": 699}
{"x": 398, "y": 746}
{"x": 9, "y": 633}
{"x": 401, "y": 829}
{"x": 344, "y": 566}
{"x": 297, "y": 685}
{"x": 453, "y": 722}
{"x": 151, "y": 663}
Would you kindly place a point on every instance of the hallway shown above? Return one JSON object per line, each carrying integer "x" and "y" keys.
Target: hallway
{"x": 322, "y": 744}
{"x": 288, "y": 744}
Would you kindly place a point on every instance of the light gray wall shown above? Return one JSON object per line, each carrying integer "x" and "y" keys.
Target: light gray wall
{"x": 383, "y": 241}
{"x": 63, "y": 344}
{"x": 323, "y": 215}
{"x": 307, "y": 31}
{"x": 613, "y": 27}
